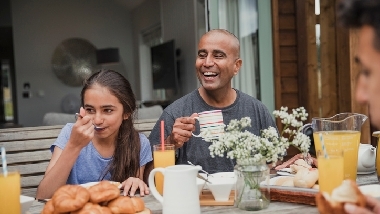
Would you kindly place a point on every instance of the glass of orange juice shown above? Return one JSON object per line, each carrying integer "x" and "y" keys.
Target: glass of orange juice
{"x": 331, "y": 169}
{"x": 378, "y": 159}
{"x": 348, "y": 141}
{"x": 10, "y": 193}
{"x": 162, "y": 157}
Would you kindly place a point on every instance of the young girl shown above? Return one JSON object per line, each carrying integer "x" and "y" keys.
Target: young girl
{"x": 103, "y": 143}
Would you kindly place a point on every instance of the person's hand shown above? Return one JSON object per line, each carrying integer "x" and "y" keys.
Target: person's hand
{"x": 182, "y": 130}
{"x": 132, "y": 184}
{"x": 373, "y": 207}
{"x": 83, "y": 130}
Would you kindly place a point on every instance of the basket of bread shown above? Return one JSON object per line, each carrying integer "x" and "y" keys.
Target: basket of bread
{"x": 103, "y": 198}
{"x": 300, "y": 186}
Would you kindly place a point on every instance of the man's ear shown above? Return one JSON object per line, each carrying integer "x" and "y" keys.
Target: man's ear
{"x": 238, "y": 64}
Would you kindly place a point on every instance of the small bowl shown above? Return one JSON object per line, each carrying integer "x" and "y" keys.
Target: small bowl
{"x": 25, "y": 202}
{"x": 221, "y": 187}
{"x": 225, "y": 175}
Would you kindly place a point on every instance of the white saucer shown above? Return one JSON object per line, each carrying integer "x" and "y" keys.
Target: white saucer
{"x": 372, "y": 190}
{"x": 366, "y": 172}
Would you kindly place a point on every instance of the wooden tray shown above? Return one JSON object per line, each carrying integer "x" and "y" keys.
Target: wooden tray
{"x": 206, "y": 199}
{"x": 292, "y": 196}
{"x": 277, "y": 193}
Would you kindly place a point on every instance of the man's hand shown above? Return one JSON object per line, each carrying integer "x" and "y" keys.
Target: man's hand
{"x": 182, "y": 130}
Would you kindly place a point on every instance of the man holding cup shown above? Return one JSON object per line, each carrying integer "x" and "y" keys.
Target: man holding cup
{"x": 218, "y": 61}
{"x": 365, "y": 16}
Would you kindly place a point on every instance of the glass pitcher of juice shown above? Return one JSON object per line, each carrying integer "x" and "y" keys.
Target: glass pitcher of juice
{"x": 340, "y": 132}
{"x": 377, "y": 134}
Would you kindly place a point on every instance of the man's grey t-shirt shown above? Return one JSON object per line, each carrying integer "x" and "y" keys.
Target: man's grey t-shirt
{"x": 196, "y": 149}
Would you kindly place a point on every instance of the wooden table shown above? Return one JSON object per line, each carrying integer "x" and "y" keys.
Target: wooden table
{"x": 274, "y": 207}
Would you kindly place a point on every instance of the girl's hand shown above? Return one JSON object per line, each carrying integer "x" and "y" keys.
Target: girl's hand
{"x": 132, "y": 184}
{"x": 83, "y": 130}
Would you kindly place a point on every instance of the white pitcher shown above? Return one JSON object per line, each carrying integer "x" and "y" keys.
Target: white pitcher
{"x": 180, "y": 189}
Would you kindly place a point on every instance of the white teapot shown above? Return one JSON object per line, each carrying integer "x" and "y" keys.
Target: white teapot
{"x": 366, "y": 159}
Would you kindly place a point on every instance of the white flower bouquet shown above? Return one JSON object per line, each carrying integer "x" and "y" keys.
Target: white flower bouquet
{"x": 237, "y": 143}
{"x": 252, "y": 152}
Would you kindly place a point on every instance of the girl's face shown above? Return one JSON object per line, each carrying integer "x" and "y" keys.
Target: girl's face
{"x": 106, "y": 111}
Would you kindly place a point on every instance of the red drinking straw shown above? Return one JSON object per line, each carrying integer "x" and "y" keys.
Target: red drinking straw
{"x": 162, "y": 136}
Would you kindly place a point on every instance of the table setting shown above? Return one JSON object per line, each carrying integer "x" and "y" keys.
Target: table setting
{"x": 261, "y": 182}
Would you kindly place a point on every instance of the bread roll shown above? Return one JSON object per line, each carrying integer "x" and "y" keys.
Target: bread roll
{"x": 91, "y": 208}
{"x": 306, "y": 178}
{"x": 122, "y": 204}
{"x": 70, "y": 198}
{"x": 138, "y": 204}
{"x": 299, "y": 164}
{"x": 103, "y": 191}
{"x": 284, "y": 181}
{"x": 48, "y": 208}
{"x": 77, "y": 199}
{"x": 347, "y": 192}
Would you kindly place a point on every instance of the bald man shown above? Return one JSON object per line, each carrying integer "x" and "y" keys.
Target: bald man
{"x": 218, "y": 61}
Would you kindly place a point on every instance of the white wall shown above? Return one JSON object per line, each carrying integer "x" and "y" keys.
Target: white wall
{"x": 38, "y": 28}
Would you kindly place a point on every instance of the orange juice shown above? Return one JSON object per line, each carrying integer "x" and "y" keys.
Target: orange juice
{"x": 348, "y": 141}
{"x": 162, "y": 158}
{"x": 10, "y": 193}
{"x": 331, "y": 172}
{"x": 378, "y": 160}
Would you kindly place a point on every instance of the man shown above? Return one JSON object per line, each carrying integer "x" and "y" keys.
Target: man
{"x": 365, "y": 16}
{"x": 218, "y": 61}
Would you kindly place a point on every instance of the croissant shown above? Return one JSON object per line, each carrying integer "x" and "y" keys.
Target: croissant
{"x": 347, "y": 192}
{"x": 79, "y": 200}
{"x": 70, "y": 198}
{"x": 103, "y": 191}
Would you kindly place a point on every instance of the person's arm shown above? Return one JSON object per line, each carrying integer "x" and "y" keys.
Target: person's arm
{"x": 62, "y": 161}
{"x": 57, "y": 171}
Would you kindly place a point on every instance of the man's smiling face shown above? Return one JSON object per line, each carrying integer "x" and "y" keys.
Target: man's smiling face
{"x": 217, "y": 61}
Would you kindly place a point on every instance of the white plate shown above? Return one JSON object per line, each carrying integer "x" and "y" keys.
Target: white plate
{"x": 366, "y": 172}
{"x": 285, "y": 172}
{"x": 372, "y": 190}
{"x": 272, "y": 181}
{"x": 88, "y": 185}
{"x": 25, "y": 202}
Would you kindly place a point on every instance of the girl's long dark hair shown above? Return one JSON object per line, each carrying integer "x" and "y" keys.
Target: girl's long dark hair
{"x": 126, "y": 158}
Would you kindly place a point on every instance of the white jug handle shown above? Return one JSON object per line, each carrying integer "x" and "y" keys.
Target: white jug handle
{"x": 152, "y": 185}
{"x": 199, "y": 135}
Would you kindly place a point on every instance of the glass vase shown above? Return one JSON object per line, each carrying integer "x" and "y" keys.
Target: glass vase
{"x": 252, "y": 190}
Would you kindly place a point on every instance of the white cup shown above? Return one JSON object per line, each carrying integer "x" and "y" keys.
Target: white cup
{"x": 211, "y": 121}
